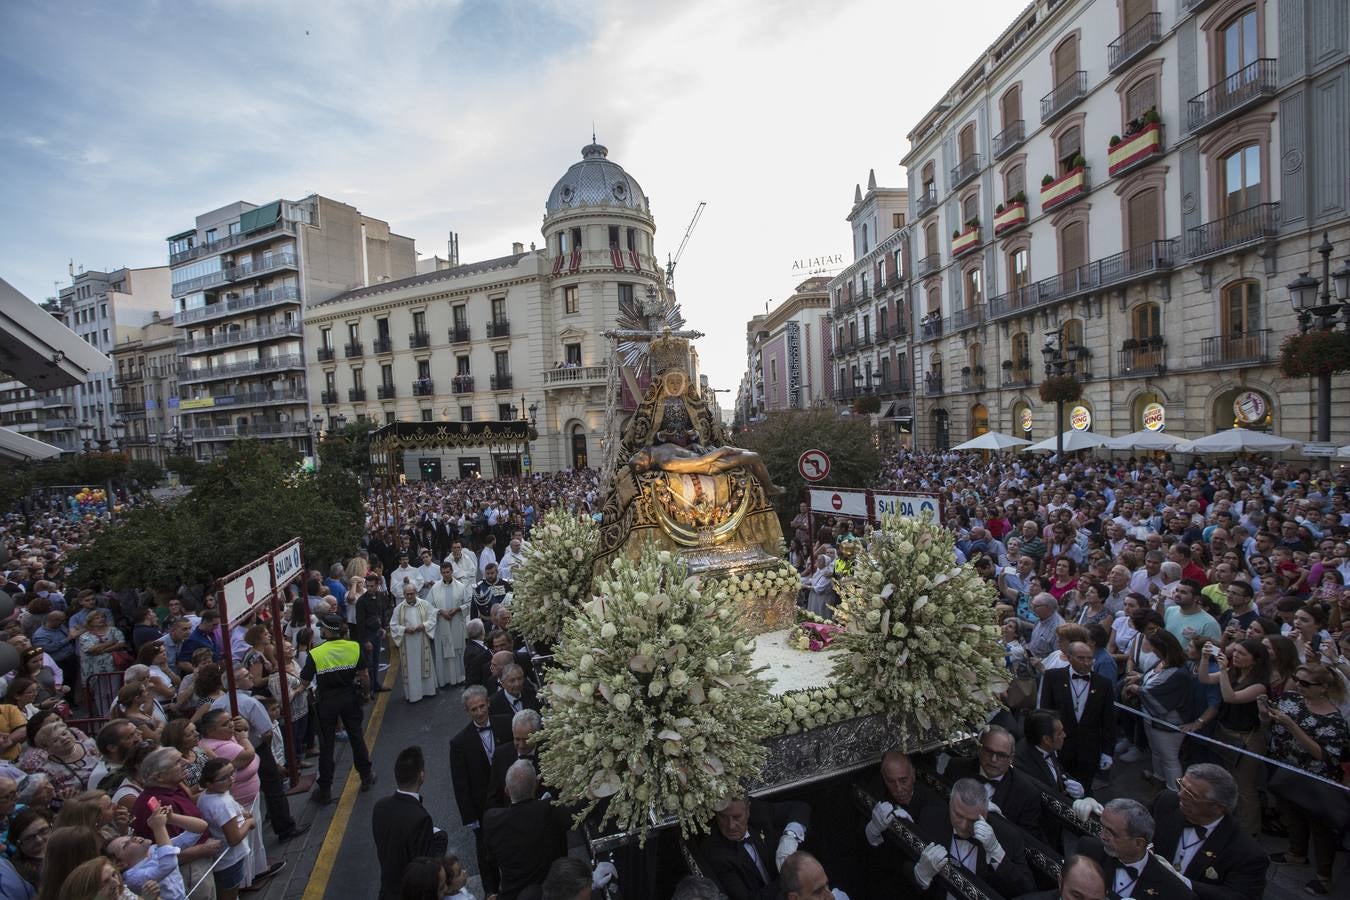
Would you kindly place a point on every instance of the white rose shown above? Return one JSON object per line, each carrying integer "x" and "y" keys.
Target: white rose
{"x": 608, "y": 631}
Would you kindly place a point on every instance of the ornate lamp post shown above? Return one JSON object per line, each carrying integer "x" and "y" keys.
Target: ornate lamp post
{"x": 1055, "y": 364}
{"x": 1310, "y": 303}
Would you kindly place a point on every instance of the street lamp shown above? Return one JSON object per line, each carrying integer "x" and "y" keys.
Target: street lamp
{"x": 1309, "y": 304}
{"x": 1055, "y": 364}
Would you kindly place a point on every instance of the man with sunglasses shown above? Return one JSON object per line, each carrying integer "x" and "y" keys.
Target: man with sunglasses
{"x": 1012, "y": 794}
{"x": 1197, "y": 833}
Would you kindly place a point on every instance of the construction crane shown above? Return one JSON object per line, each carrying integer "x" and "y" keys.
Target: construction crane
{"x": 672, "y": 261}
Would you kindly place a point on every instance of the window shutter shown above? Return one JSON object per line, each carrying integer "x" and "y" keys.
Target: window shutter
{"x": 1012, "y": 106}
{"x": 1066, "y": 60}
{"x": 1072, "y": 243}
{"x": 1136, "y": 10}
{"x": 1143, "y": 218}
{"x": 1141, "y": 98}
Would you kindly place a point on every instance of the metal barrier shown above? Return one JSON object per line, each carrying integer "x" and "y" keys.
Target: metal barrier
{"x": 101, "y": 692}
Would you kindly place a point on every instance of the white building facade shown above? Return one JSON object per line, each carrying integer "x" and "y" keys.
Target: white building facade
{"x": 1140, "y": 179}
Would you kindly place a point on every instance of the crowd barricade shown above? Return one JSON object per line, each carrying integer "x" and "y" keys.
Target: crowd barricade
{"x": 101, "y": 692}
{"x": 90, "y": 727}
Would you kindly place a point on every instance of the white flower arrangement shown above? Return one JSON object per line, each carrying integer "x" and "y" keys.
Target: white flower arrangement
{"x": 554, "y": 577}
{"x": 742, "y": 590}
{"x": 920, "y": 635}
{"x": 653, "y": 706}
{"x": 812, "y": 707}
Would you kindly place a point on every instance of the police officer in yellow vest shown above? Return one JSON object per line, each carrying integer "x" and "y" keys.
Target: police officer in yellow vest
{"x": 341, "y": 674}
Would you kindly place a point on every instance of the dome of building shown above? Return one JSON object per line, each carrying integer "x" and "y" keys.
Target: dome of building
{"x": 596, "y": 181}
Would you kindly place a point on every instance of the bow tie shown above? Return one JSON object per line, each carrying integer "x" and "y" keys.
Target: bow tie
{"x": 1200, "y": 831}
{"x": 482, "y": 728}
{"x": 983, "y": 780}
{"x": 1078, "y": 677}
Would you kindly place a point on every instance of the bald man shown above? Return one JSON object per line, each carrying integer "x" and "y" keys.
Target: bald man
{"x": 1085, "y": 702}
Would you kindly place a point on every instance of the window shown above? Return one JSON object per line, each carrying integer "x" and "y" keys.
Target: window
{"x": 466, "y": 413}
{"x": 1019, "y": 273}
{"x": 1072, "y": 246}
{"x": 504, "y": 412}
{"x": 1241, "y": 309}
{"x": 460, "y": 315}
{"x": 1237, "y": 46}
{"x": 1014, "y": 182}
{"x": 330, "y": 382}
{"x": 1241, "y": 174}
{"x": 326, "y": 338}
{"x": 1065, "y": 61}
{"x": 927, "y": 179}
{"x": 572, "y": 354}
{"x": 1140, "y": 98}
{"x": 970, "y": 207}
{"x": 614, "y": 237}
{"x": 965, "y": 143}
{"x": 424, "y": 368}
{"x": 387, "y": 375}
{"x": 1141, "y": 218}
{"x": 502, "y": 362}
{"x": 390, "y": 417}
{"x": 625, "y": 293}
{"x": 930, "y": 239}
{"x": 461, "y": 365}
{"x": 420, "y": 322}
{"x": 864, "y": 239}
{"x": 426, "y": 414}
{"x": 1069, "y": 146}
{"x": 632, "y": 239}
{"x": 897, "y": 221}
{"x": 498, "y": 309}
{"x": 881, "y": 322}
{"x": 210, "y": 235}
{"x": 934, "y": 300}
{"x": 1021, "y": 357}
{"x": 974, "y": 288}
{"x": 358, "y": 378}
{"x": 1146, "y": 321}
{"x": 1010, "y": 106}
{"x": 773, "y": 370}
{"x": 576, "y": 238}
{"x": 1134, "y": 10}
{"x": 866, "y": 328}
{"x": 381, "y": 329}
{"x": 354, "y": 332}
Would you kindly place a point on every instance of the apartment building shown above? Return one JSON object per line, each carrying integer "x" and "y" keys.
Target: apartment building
{"x": 788, "y": 352}
{"x": 146, "y": 369}
{"x": 1138, "y": 181}
{"x": 242, "y": 277}
{"x": 507, "y": 338}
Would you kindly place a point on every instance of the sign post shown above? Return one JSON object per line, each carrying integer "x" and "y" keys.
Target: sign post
{"x": 813, "y": 465}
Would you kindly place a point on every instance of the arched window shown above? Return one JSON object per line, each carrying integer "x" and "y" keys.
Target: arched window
{"x": 974, "y": 287}
{"x": 1141, "y": 218}
{"x": 965, "y": 142}
{"x": 1240, "y": 172}
{"x": 979, "y": 420}
{"x": 1238, "y": 46}
{"x": 1244, "y": 407}
{"x": 1068, "y": 147}
{"x": 970, "y": 208}
{"x": 578, "y": 447}
{"x": 927, "y": 179}
{"x": 1019, "y": 269}
{"x": 1014, "y": 182}
{"x": 1142, "y": 402}
{"x": 1010, "y": 106}
{"x": 930, "y": 239}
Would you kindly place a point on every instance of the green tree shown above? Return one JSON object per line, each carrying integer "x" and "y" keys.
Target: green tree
{"x": 188, "y": 469}
{"x": 783, "y": 436}
{"x": 348, "y": 448}
{"x": 146, "y": 471}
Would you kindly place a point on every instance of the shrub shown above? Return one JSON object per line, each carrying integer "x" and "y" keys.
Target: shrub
{"x": 1061, "y": 389}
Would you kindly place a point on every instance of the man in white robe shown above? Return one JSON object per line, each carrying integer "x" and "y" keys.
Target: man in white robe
{"x": 464, "y": 564}
{"x": 515, "y": 552}
{"x": 429, "y": 572}
{"x": 412, "y": 628}
{"x": 451, "y": 601}
{"x": 404, "y": 574}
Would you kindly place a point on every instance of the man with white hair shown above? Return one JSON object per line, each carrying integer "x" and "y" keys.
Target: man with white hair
{"x": 521, "y": 749}
{"x": 1196, "y": 831}
{"x": 525, "y": 837}
{"x": 991, "y": 855}
{"x": 472, "y": 750}
{"x": 412, "y": 628}
{"x": 1123, "y": 853}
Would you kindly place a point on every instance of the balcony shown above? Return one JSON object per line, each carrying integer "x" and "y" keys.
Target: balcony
{"x": 251, "y": 429}
{"x": 1065, "y": 189}
{"x": 130, "y": 409}
{"x": 328, "y": 398}
{"x": 235, "y": 336}
{"x": 1064, "y": 97}
{"x": 576, "y": 376}
{"x": 385, "y": 392}
{"x": 269, "y": 264}
{"x": 501, "y": 382}
{"x": 382, "y": 345}
{"x": 847, "y": 394}
{"x": 1231, "y": 350}
{"x": 1252, "y": 84}
{"x": 324, "y": 354}
{"x": 964, "y": 318}
{"x": 55, "y": 401}
{"x": 355, "y": 351}
{"x": 1018, "y": 374}
{"x": 929, "y": 264}
{"x": 462, "y": 384}
{"x": 928, "y": 202}
{"x": 865, "y": 342}
{"x": 930, "y": 327}
{"x": 254, "y": 398}
{"x": 932, "y": 384}
{"x": 498, "y": 328}
{"x": 1010, "y": 217}
{"x": 1232, "y": 232}
{"x": 459, "y": 334}
{"x": 893, "y": 385}
{"x": 837, "y": 352}
{"x": 130, "y": 376}
{"x": 277, "y": 363}
{"x": 423, "y": 387}
{"x": 419, "y": 340}
{"x": 1145, "y": 261}
{"x": 1135, "y": 150}
{"x": 356, "y": 395}
{"x": 1142, "y": 360}
{"x": 965, "y": 170}
{"x": 229, "y": 242}
{"x": 1134, "y": 42}
{"x": 1010, "y": 138}
{"x": 883, "y": 334}
{"x": 232, "y": 305}
{"x": 972, "y": 380}
{"x": 57, "y": 423}
{"x": 965, "y": 241}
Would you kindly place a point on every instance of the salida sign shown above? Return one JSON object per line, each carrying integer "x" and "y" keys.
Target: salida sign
{"x": 906, "y": 505}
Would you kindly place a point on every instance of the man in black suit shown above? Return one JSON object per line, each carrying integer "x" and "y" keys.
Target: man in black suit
{"x": 514, "y": 694}
{"x": 1085, "y": 702}
{"x": 1197, "y": 833}
{"x": 901, "y": 797}
{"x": 524, "y": 838}
{"x": 1038, "y": 753}
{"x": 523, "y": 725}
{"x": 402, "y": 826}
{"x": 471, "y": 752}
{"x": 477, "y": 656}
{"x": 369, "y": 628}
{"x": 748, "y": 844}
{"x": 1080, "y": 878}
{"x": 1014, "y": 796}
{"x": 990, "y": 853}
{"x": 1129, "y": 868}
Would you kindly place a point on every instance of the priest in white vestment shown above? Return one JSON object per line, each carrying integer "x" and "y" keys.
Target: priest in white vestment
{"x": 451, "y": 601}
{"x": 429, "y": 572}
{"x": 464, "y": 564}
{"x": 404, "y": 574}
{"x": 412, "y": 628}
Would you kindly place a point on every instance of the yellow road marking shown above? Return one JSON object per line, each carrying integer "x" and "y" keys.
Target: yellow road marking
{"x": 337, "y": 828}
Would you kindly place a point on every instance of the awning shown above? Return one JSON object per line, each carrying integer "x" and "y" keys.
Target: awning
{"x": 435, "y": 435}
{"x": 888, "y": 410}
{"x": 262, "y": 217}
{"x": 19, "y": 447}
{"x": 182, "y": 234}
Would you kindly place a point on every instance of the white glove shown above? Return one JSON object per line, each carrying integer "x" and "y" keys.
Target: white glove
{"x": 1073, "y": 788}
{"x": 1085, "y": 808}
{"x": 985, "y": 837}
{"x": 881, "y": 817}
{"x": 793, "y": 835}
{"x": 942, "y": 761}
{"x": 603, "y": 874}
{"x": 838, "y": 894}
{"x": 931, "y": 862}
{"x": 1105, "y": 762}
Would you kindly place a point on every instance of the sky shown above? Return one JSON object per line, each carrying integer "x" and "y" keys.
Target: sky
{"x": 121, "y": 121}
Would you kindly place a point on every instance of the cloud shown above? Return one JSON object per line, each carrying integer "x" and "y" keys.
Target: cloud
{"x": 460, "y": 115}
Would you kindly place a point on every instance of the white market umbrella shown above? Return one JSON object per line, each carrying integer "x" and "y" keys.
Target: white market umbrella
{"x": 1343, "y": 453}
{"x": 1073, "y": 440}
{"x": 992, "y": 440}
{"x": 1236, "y": 440}
{"x": 1146, "y": 440}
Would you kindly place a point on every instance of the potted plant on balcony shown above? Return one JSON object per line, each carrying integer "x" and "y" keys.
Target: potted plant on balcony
{"x": 968, "y": 239}
{"x": 1007, "y": 365}
{"x": 1315, "y": 353}
{"x": 1067, "y": 187}
{"x": 1141, "y": 143}
{"x": 965, "y": 370}
{"x": 1130, "y": 344}
{"x": 1061, "y": 389}
{"x": 1155, "y": 342}
{"x": 1115, "y": 139}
